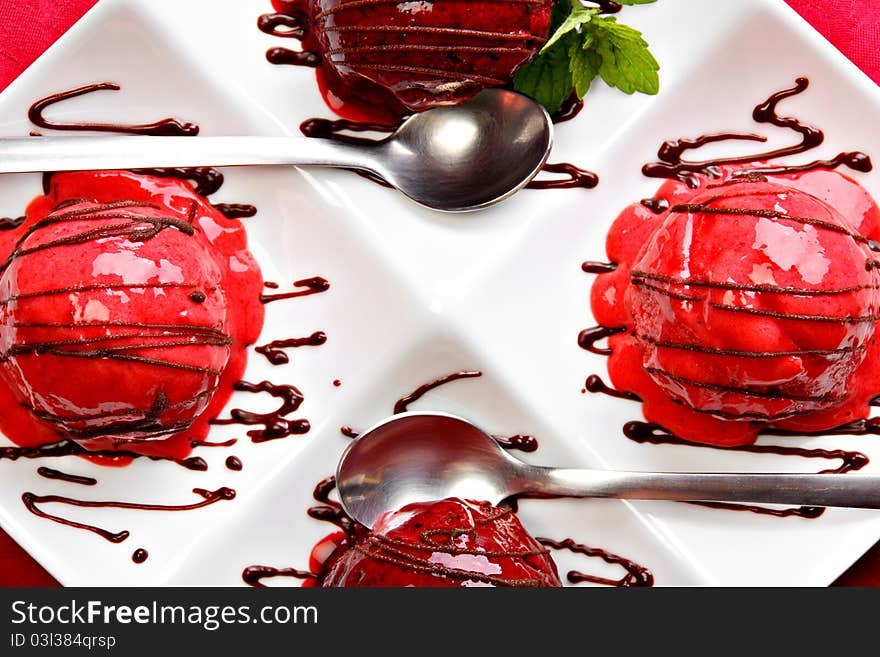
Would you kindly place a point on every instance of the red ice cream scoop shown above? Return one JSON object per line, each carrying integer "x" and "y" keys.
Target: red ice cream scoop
{"x": 754, "y": 302}
{"x": 121, "y": 309}
{"x": 452, "y": 543}
{"x": 751, "y": 303}
{"x": 382, "y": 60}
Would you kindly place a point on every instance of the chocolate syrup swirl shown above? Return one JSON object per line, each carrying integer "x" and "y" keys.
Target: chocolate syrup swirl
{"x": 607, "y": 6}
{"x": 236, "y": 210}
{"x": 205, "y": 180}
{"x": 163, "y": 127}
{"x": 313, "y": 285}
{"x": 206, "y": 443}
{"x": 402, "y": 404}
{"x": 522, "y": 442}
{"x": 11, "y": 223}
{"x": 573, "y": 177}
{"x": 636, "y": 575}
{"x": 331, "y": 511}
{"x": 672, "y": 164}
{"x": 654, "y": 434}
{"x": 596, "y": 385}
{"x": 234, "y": 463}
{"x": 275, "y": 423}
{"x": 71, "y": 448}
{"x": 656, "y": 205}
{"x": 568, "y": 110}
{"x": 140, "y": 555}
{"x": 32, "y": 501}
{"x": 254, "y": 575}
{"x": 336, "y": 129}
{"x": 588, "y": 338}
{"x": 49, "y": 473}
{"x": 286, "y": 56}
{"x": 285, "y": 26}
{"x": 273, "y": 351}
{"x": 593, "y": 267}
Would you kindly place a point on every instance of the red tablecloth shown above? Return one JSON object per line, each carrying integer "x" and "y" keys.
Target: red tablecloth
{"x": 28, "y": 28}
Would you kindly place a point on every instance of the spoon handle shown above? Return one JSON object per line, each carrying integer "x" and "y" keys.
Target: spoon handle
{"x": 36, "y": 154}
{"x": 854, "y": 490}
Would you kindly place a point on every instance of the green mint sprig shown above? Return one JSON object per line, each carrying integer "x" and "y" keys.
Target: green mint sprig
{"x": 583, "y": 45}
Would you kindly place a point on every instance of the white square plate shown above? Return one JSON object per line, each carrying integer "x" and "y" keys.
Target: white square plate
{"x": 416, "y": 295}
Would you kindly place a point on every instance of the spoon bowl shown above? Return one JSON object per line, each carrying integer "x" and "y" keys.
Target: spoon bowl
{"x": 466, "y": 157}
{"x": 426, "y": 457}
{"x": 420, "y": 457}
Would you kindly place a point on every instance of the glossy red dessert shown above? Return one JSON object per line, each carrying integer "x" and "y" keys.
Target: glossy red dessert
{"x": 382, "y": 60}
{"x": 452, "y": 543}
{"x": 126, "y": 302}
{"x": 750, "y": 303}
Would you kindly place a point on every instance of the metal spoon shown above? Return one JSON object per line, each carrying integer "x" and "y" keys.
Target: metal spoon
{"x": 453, "y": 159}
{"x": 423, "y": 457}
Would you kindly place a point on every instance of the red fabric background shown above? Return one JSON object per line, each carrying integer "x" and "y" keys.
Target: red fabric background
{"x": 28, "y": 27}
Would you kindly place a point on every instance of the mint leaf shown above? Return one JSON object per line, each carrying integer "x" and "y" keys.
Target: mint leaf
{"x": 584, "y": 63}
{"x": 547, "y": 78}
{"x": 626, "y": 61}
{"x": 578, "y": 16}
{"x": 582, "y": 45}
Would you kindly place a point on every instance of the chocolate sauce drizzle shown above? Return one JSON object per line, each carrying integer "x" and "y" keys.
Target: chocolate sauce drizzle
{"x": 234, "y": 463}
{"x": 595, "y": 384}
{"x": 205, "y": 180}
{"x": 348, "y": 432}
{"x": 286, "y": 26}
{"x": 588, "y": 338}
{"x": 672, "y": 164}
{"x": 140, "y": 555}
{"x": 254, "y": 575}
{"x": 275, "y": 423}
{"x": 236, "y": 210}
{"x": 163, "y": 127}
{"x": 10, "y": 223}
{"x": 656, "y": 205}
{"x": 573, "y": 177}
{"x": 71, "y": 448}
{"x": 32, "y": 501}
{"x": 331, "y": 511}
{"x": 205, "y": 443}
{"x": 593, "y": 267}
{"x": 273, "y": 351}
{"x": 402, "y": 404}
{"x": 313, "y": 285}
{"x": 82, "y": 480}
{"x": 522, "y": 442}
{"x": 636, "y": 575}
{"x": 286, "y": 56}
{"x": 569, "y": 109}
